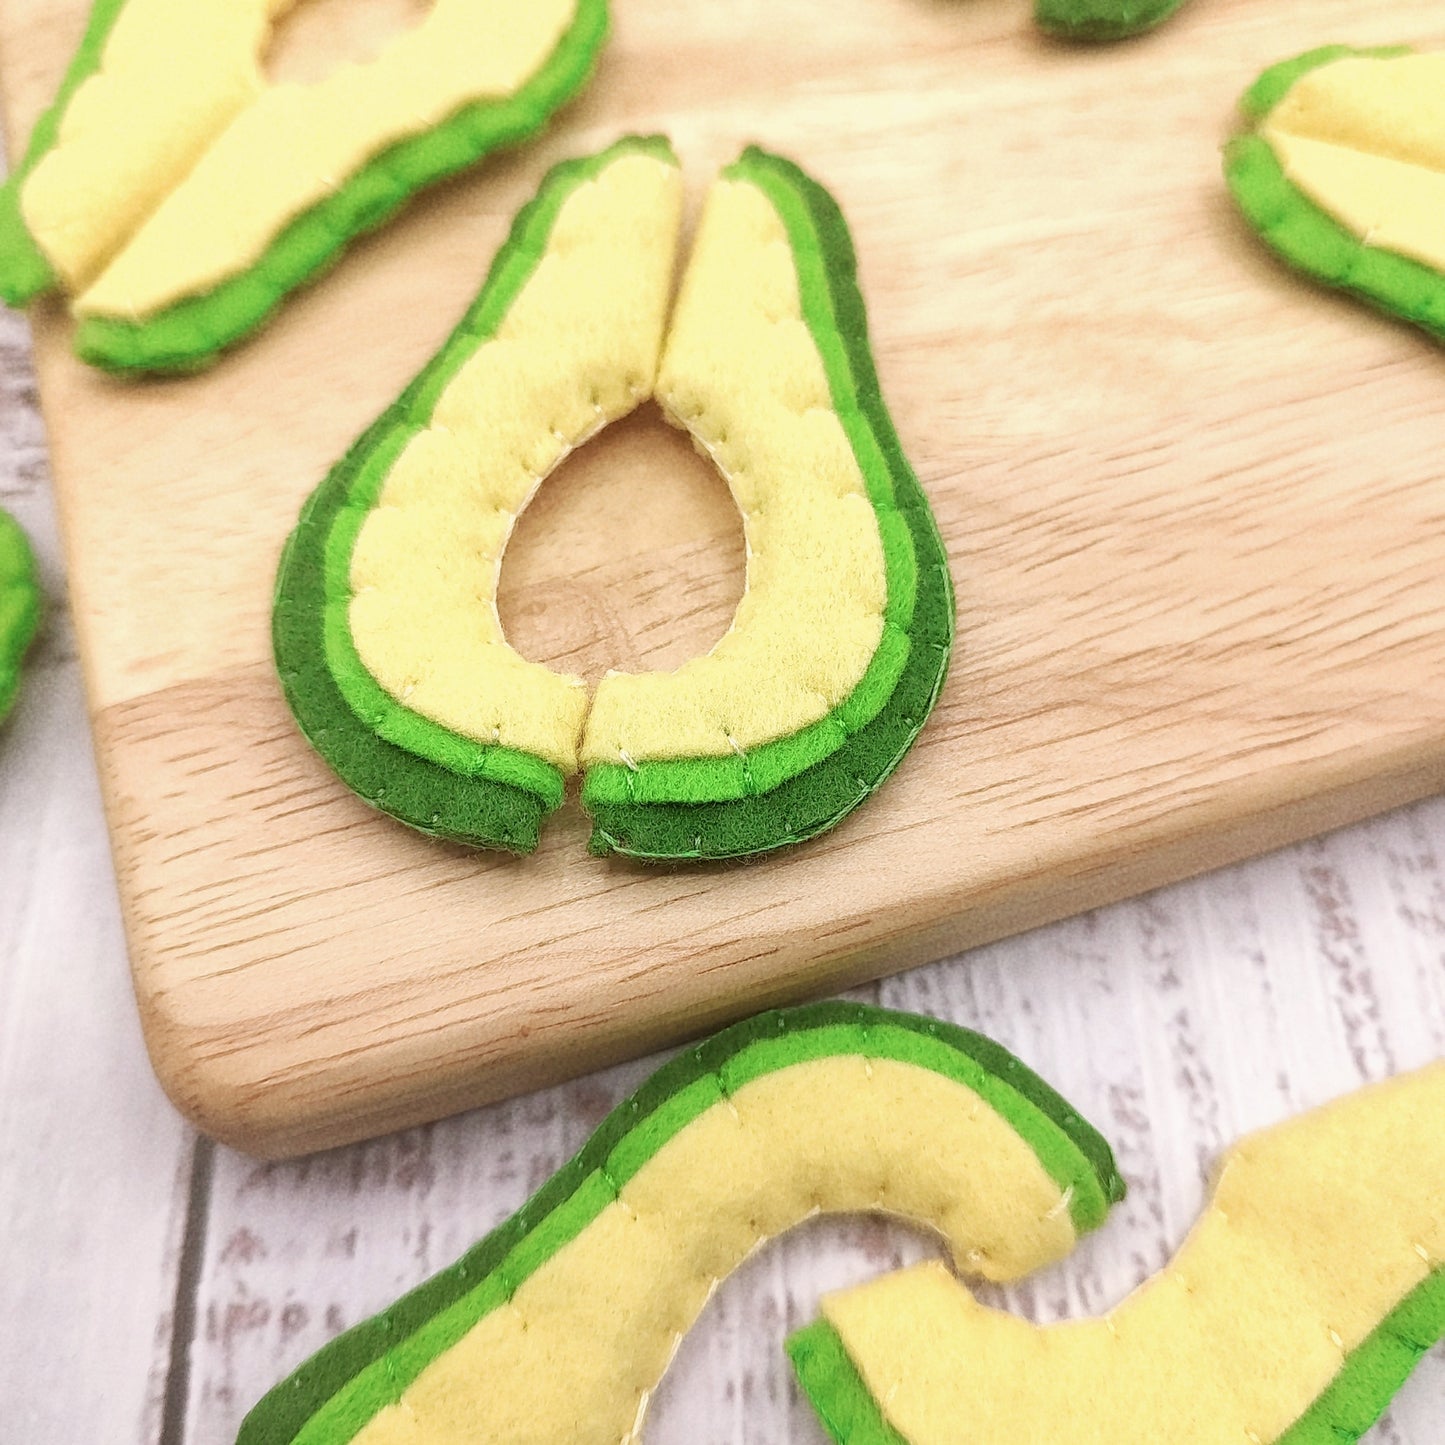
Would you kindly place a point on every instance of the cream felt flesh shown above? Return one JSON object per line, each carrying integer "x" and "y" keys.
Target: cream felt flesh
{"x": 1364, "y": 138}
{"x": 279, "y": 148}
{"x": 1317, "y": 1230}
{"x": 577, "y": 349}
{"x": 584, "y": 1340}
{"x": 742, "y": 373}
{"x": 173, "y": 75}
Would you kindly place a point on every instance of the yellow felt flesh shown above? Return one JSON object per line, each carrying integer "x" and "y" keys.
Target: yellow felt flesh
{"x": 577, "y": 349}
{"x": 742, "y": 373}
{"x": 294, "y": 143}
{"x": 1317, "y": 1230}
{"x": 173, "y": 75}
{"x": 587, "y": 1338}
{"x": 1364, "y": 138}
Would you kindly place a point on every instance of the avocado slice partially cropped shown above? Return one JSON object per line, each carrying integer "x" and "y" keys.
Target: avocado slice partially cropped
{"x": 180, "y": 197}
{"x": 385, "y": 629}
{"x": 558, "y": 1325}
{"x": 842, "y": 642}
{"x": 19, "y": 607}
{"x": 1102, "y": 19}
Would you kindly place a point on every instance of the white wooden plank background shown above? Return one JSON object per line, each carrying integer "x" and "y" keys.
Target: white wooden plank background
{"x": 152, "y": 1287}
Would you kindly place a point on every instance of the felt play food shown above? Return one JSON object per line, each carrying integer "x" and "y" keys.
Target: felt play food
{"x": 1102, "y": 19}
{"x": 180, "y": 197}
{"x": 19, "y": 607}
{"x": 1342, "y": 172}
{"x": 557, "y": 1327}
{"x": 1291, "y": 1315}
{"x": 386, "y": 630}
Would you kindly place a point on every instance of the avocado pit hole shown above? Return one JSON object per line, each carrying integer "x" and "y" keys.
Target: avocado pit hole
{"x": 312, "y": 38}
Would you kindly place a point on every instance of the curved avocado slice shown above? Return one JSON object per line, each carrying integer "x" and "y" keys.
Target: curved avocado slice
{"x": 212, "y": 212}
{"x": 19, "y": 608}
{"x": 1102, "y": 19}
{"x": 1299, "y": 1305}
{"x": 385, "y": 630}
{"x": 1342, "y": 173}
{"x": 745, "y": 800}
{"x": 559, "y": 1324}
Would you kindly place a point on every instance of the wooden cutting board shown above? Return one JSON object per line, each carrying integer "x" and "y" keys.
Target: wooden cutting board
{"x": 1194, "y": 507}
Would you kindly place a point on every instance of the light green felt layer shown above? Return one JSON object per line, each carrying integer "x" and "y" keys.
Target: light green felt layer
{"x": 192, "y": 333}
{"x": 1102, "y": 19}
{"x": 19, "y": 607}
{"x": 1305, "y": 235}
{"x": 334, "y": 1394}
{"x": 409, "y": 766}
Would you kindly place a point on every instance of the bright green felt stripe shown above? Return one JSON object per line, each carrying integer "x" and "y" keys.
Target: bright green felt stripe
{"x": 1307, "y": 236}
{"x": 19, "y": 607}
{"x": 799, "y": 804}
{"x": 24, "y": 271}
{"x": 1354, "y": 1400}
{"x": 1102, "y": 19}
{"x": 334, "y": 1394}
{"x": 190, "y": 334}
{"x": 417, "y": 771}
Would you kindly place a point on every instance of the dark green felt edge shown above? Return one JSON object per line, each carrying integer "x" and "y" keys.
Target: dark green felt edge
{"x": 812, "y": 801}
{"x": 19, "y": 608}
{"x": 1353, "y": 1401}
{"x": 1102, "y": 19}
{"x": 1075, "y": 1155}
{"x": 189, "y": 335}
{"x": 1306, "y": 236}
{"x": 504, "y": 810}
{"x": 25, "y": 272}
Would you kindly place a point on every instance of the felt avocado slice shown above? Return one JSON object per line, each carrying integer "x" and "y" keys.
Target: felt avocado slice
{"x": 181, "y": 197}
{"x": 385, "y": 627}
{"x": 19, "y": 607}
{"x": 1292, "y": 1314}
{"x": 556, "y": 1328}
{"x": 1102, "y": 19}
{"x": 839, "y": 649}
{"x": 1342, "y": 172}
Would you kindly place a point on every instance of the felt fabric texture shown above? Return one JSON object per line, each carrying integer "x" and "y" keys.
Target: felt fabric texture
{"x": 19, "y": 608}
{"x": 558, "y": 1325}
{"x": 1342, "y": 172}
{"x": 186, "y": 197}
{"x": 544, "y": 357}
{"x": 737, "y": 800}
{"x": 1102, "y": 19}
{"x": 1298, "y": 1305}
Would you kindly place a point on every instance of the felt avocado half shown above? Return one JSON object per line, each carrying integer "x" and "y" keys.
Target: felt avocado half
{"x": 1342, "y": 172}
{"x": 385, "y": 624}
{"x": 841, "y": 643}
{"x": 19, "y": 607}
{"x": 179, "y": 197}
{"x": 1293, "y": 1313}
{"x": 557, "y": 1327}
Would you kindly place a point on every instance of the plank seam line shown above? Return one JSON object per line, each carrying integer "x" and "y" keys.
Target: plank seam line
{"x": 175, "y": 1408}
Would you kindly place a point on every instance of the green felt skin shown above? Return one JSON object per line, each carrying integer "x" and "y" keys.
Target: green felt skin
{"x": 797, "y": 787}
{"x": 1102, "y": 19}
{"x": 406, "y": 765}
{"x": 331, "y": 1397}
{"x": 1354, "y": 1400}
{"x": 191, "y": 334}
{"x": 1306, "y": 236}
{"x": 19, "y": 608}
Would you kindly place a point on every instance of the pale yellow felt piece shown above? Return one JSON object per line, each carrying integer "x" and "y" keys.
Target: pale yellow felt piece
{"x": 294, "y": 144}
{"x": 1317, "y": 1230}
{"x": 173, "y": 74}
{"x": 1364, "y": 138}
{"x": 586, "y": 1339}
{"x": 742, "y": 373}
{"x": 577, "y": 349}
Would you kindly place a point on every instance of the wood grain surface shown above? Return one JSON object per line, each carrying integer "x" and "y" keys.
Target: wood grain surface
{"x": 1193, "y": 507}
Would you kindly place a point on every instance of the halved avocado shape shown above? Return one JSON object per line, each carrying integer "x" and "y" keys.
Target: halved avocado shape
{"x": 1102, "y": 19}
{"x": 1293, "y": 1313}
{"x": 181, "y": 198}
{"x": 557, "y": 1327}
{"x": 19, "y": 607}
{"x": 842, "y": 641}
{"x": 1342, "y": 172}
{"x": 385, "y": 627}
